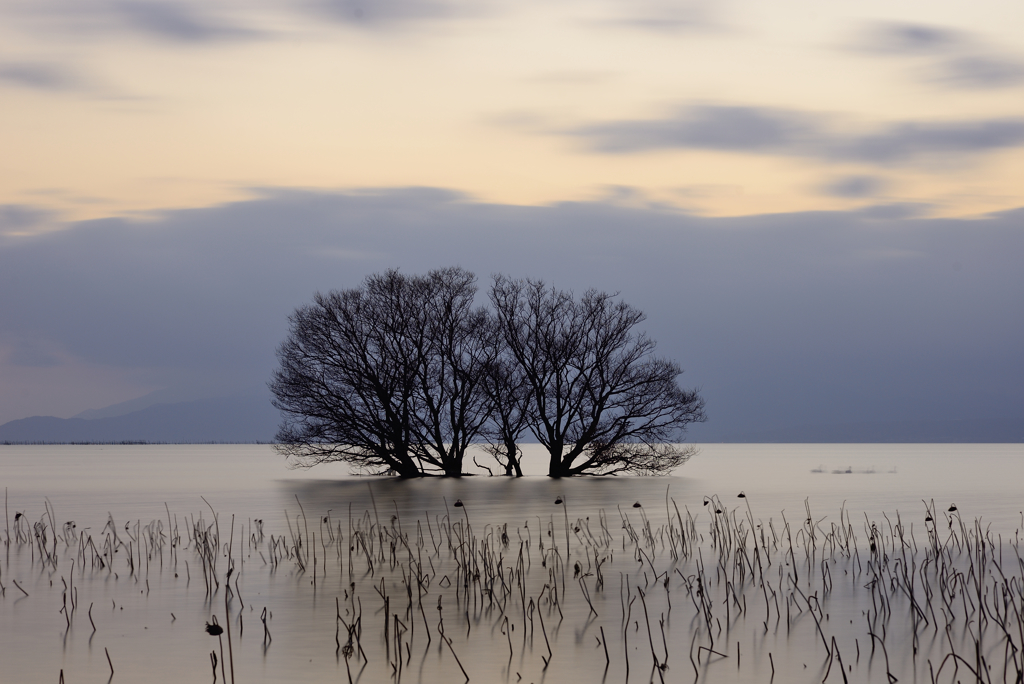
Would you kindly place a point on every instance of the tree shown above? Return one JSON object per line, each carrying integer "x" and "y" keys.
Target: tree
{"x": 403, "y": 374}
{"x": 599, "y": 400}
{"x": 386, "y": 376}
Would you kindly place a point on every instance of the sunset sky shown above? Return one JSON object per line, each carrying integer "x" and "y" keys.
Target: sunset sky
{"x": 721, "y": 108}
{"x": 226, "y": 156}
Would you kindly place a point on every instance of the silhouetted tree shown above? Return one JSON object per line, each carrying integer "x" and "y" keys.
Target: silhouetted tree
{"x": 599, "y": 400}
{"x": 386, "y": 376}
{"x": 402, "y": 374}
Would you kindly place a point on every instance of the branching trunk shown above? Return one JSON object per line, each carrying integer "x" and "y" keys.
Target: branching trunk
{"x": 402, "y": 375}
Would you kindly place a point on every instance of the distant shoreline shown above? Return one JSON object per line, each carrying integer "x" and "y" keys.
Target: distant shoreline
{"x": 127, "y": 442}
{"x": 133, "y": 442}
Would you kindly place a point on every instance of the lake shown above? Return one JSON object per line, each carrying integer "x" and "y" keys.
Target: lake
{"x": 826, "y": 566}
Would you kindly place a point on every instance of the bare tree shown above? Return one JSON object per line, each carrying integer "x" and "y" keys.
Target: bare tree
{"x": 403, "y": 374}
{"x": 599, "y": 400}
{"x": 386, "y": 377}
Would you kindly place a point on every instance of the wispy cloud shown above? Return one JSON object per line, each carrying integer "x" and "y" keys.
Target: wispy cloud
{"x": 176, "y": 21}
{"x": 40, "y": 76}
{"x": 907, "y": 39}
{"x": 665, "y": 17}
{"x": 211, "y": 22}
{"x": 979, "y": 72}
{"x": 59, "y": 78}
{"x": 855, "y": 187}
{"x": 710, "y": 127}
{"x": 953, "y": 58}
{"x": 912, "y": 141}
{"x": 380, "y": 14}
{"x": 760, "y": 130}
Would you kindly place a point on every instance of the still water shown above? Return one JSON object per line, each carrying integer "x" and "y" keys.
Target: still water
{"x": 781, "y": 583}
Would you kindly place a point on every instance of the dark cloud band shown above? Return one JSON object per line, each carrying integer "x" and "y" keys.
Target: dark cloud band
{"x": 830, "y": 316}
{"x": 755, "y": 130}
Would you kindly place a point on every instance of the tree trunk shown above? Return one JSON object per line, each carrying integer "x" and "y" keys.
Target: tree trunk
{"x": 512, "y": 464}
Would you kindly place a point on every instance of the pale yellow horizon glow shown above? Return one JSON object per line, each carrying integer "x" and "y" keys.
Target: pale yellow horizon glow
{"x": 486, "y": 105}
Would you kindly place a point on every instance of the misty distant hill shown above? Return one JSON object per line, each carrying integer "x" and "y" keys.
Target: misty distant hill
{"x": 208, "y": 420}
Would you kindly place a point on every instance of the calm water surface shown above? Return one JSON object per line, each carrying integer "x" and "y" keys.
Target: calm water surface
{"x": 149, "y": 616}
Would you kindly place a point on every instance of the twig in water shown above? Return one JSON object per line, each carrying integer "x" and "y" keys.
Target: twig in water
{"x": 446, "y": 640}
{"x": 647, "y": 619}
{"x": 710, "y": 651}
{"x": 604, "y": 642}
{"x": 833, "y": 654}
{"x": 547, "y": 661}
{"x": 337, "y": 626}
{"x": 266, "y": 632}
{"x": 696, "y": 672}
{"x": 505, "y": 630}
{"x": 885, "y": 652}
{"x": 227, "y": 612}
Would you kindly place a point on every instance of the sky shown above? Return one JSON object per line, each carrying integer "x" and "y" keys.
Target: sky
{"x": 818, "y": 205}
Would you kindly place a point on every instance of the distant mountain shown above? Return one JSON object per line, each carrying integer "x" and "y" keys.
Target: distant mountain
{"x": 1004, "y": 430}
{"x": 208, "y": 420}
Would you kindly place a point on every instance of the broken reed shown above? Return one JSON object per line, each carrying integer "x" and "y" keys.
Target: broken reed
{"x": 954, "y": 598}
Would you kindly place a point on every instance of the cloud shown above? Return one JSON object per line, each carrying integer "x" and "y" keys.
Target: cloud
{"x": 854, "y": 187}
{"x": 907, "y": 39}
{"x": 819, "y": 315}
{"x": 40, "y": 76}
{"x": 177, "y": 21}
{"x": 196, "y": 23}
{"x": 895, "y": 210}
{"x": 737, "y": 129}
{"x": 15, "y": 218}
{"x": 954, "y": 59}
{"x": 669, "y": 18}
{"x": 759, "y": 130}
{"x": 384, "y": 13}
{"x": 979, "y": 72}
{"x": 912, "y": 141}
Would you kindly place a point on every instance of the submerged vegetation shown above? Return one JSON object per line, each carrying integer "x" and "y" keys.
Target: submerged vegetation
{"x": 646, "y": 590}
{"x": 404, "y": 373}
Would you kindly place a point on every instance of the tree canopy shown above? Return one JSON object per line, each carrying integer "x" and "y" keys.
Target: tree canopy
{"x": 403, "y": 374}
